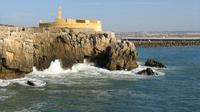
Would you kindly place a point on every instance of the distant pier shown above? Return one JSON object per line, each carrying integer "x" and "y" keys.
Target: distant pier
{"x": 163, "y": 42}
{"x": 161, "y": 39}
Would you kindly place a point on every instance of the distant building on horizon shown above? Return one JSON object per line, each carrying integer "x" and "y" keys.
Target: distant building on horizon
{"x": 94, "y": 25}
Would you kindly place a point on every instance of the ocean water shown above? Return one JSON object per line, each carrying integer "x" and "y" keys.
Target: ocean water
{"x": 86, "y": 88}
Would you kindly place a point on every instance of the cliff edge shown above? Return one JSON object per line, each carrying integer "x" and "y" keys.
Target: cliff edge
{"x": 23, "y": 48}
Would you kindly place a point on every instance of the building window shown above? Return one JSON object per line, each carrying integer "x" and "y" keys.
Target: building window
{"x": 80, "y": 21}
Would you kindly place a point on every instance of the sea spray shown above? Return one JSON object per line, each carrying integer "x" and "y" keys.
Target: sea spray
{"x": 88, "y": 70}
{"x": 4, "y": 83}
{"x": 55, "y": 74}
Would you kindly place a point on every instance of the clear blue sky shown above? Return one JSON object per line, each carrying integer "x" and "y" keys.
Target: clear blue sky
{"x": 116, "y": 15}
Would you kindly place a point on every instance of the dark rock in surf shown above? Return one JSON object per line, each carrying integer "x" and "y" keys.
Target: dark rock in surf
{"x": 147, "y": 71}
{"x": 30, "y": 83}
{"x": 154, "y": 63}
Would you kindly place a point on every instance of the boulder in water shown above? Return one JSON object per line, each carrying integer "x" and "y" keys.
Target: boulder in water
{"x": 147, "y": 71}
{"x": 154, "y": 63}
{"x": 30, "y": 83}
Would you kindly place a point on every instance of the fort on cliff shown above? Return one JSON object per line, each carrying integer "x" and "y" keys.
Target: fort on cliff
{"x": 94, "y": 25}
{"x": 22, "y": 48}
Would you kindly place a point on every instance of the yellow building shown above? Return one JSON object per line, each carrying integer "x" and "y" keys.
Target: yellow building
{"x": 72, "y": 23}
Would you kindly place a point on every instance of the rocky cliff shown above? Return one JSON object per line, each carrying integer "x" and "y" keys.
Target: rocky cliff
{"x": 23, "y": 48}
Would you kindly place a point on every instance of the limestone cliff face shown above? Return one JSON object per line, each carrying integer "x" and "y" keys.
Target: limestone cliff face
{"x": 21, "y": 49}
{"x": 16, "y": 52}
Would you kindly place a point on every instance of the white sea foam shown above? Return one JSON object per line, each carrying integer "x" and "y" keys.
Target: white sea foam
{"x": 55, "y": 74}
{"x": 4, "y": 83}
{"x": 23, "y": 81}
{"x": 87, "y": 70}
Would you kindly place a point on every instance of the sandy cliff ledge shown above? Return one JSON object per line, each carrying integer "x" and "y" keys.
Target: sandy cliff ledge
{"x": 23, "y": 48}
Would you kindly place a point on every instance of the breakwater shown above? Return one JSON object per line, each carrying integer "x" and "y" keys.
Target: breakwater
{"x": 147, "y": 44}
{"x": 164, "y": 42}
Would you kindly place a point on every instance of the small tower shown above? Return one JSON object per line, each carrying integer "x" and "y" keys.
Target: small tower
{"x": 59, "y": 13}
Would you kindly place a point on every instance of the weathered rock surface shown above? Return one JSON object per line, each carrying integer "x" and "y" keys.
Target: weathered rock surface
{"x": 154, "y": 63}
{"x": 16, "y": 52}
{"x": 122, "y": 56}
{"x": 23, "y": 48}
{"x": 147, "y": 71}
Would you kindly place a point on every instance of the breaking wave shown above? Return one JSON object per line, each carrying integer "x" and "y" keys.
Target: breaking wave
{"x": 55, "y": 74}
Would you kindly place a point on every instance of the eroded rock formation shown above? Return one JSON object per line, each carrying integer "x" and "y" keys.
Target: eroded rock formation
{"x": 154, "y": 63}
{"x": 23, "y": 48}
{"x": 147, "y": 71}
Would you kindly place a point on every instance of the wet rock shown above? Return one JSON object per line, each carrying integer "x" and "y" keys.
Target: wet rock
{"x": 154, "y": 63}
{"x": 30, "y": 83}
{"x": 147, "y": 71}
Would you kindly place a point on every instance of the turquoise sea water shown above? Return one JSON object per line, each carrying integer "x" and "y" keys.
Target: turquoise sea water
{"x": 89, "y": 89}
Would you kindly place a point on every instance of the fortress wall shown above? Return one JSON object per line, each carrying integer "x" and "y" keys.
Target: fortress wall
{"x": 84, "y": 24}
{"x": 94, "y": 25}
